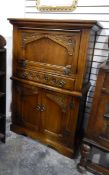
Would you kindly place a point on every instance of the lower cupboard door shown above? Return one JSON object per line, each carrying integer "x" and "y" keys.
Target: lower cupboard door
{"x": 25, "y": 106}
{"x": 58, "y": 117}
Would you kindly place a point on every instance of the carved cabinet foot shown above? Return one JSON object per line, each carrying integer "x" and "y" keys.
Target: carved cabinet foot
{"x": 85, "y": 150}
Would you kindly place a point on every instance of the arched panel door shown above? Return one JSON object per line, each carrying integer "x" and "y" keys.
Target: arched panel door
{"x": 57, "y": 117}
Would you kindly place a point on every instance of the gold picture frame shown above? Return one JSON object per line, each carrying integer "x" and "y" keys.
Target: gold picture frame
{"x": 56, "y": 5}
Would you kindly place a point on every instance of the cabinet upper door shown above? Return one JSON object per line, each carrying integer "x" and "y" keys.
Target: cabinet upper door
{"x": 57, "y": 116}
{"x": 26, "y": 100}
{"x": 51, "y": 50}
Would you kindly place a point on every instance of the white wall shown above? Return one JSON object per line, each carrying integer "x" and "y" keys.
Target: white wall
{"x": 9, "y": 9}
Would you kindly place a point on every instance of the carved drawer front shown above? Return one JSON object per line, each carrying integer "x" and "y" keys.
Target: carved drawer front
{"x": 53, "y": 49}
{"x": 24, "y": 63}
{"x": 46, "y": 78}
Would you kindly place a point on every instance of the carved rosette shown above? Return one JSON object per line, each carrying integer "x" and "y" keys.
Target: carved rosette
{"x": 66, "y": 41}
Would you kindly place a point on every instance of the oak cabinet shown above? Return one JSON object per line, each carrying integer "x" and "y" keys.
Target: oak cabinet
{"x": 50, "y": 61}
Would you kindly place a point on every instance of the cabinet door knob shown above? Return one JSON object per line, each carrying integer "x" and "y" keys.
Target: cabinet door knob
{"x": 38, "y": 107}
{"x": 42, "y": 108}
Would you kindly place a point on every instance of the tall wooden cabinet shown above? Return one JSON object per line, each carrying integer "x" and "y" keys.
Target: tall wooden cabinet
{"x": 50, "y": 62}
{"x": 2, "y": 88}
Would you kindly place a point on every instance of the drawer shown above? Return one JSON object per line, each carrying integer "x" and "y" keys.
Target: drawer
{"x": 46, "y": 78}
{"x": 26, "y": 64}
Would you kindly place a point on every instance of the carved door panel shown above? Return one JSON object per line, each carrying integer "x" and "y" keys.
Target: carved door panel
{"x": 57, "y": 117}
{"x": 26, "y": 108}
{"x": 51, "y": 50}
{"x": 101, "y": 125}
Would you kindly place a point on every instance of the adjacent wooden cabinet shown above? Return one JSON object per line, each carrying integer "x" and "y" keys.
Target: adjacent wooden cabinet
{"x": 2, "y": 88}
{"x": 50, "y": 62}
{"x": 97, "y": 132}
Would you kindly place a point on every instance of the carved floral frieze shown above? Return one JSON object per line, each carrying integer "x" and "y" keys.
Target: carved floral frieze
{"x": 41, "y": 77}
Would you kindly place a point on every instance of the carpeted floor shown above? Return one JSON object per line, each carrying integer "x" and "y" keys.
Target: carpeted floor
{"x": 23, "y": 156}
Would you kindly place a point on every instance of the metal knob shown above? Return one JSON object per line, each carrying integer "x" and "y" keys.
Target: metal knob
{"x": 67, "y": 70}
{"x": 61, "y": 83}
{"x": 42, "y": 108}
{"x": 38, "y": 107}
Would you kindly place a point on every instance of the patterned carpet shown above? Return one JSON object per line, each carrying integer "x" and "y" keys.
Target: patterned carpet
{"x": 23, "y": 156}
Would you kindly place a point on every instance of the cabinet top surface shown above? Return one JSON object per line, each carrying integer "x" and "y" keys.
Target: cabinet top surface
{"x": 55, "y": 22}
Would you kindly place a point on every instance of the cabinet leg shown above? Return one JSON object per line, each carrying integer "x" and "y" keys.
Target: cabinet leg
{"x": 85, "y": 150}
